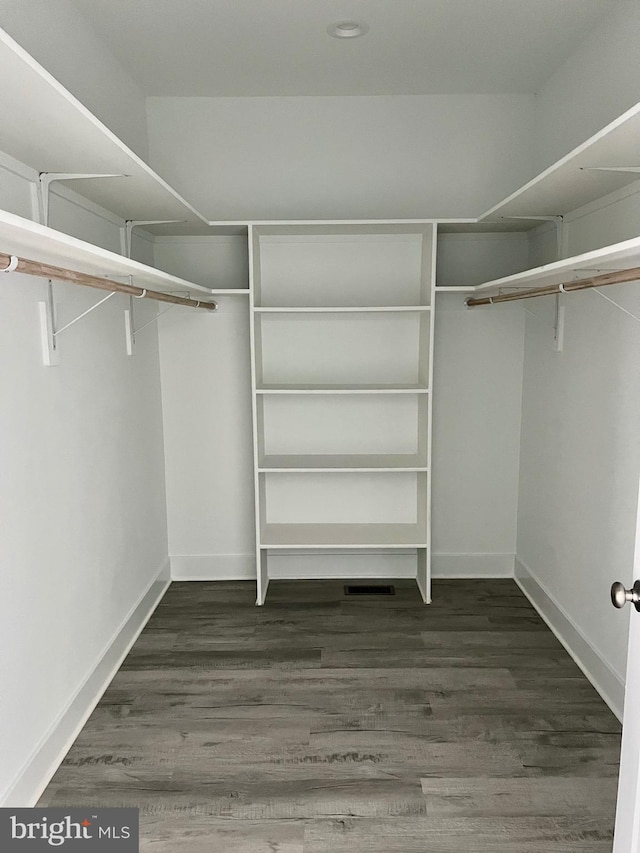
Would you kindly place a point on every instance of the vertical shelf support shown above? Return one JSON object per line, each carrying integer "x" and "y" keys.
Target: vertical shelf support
{"x": 558, "y": 327}
{"x": 50, "y": 354}
{"x": 129, "y": 333}
{"x": 129, "y": 321}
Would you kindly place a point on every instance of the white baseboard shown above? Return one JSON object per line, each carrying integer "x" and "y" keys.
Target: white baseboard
{"x": 472, "y": 565}
{"x": 39, "y": 768}
{"x": 605, "y": 680}
{"x": 305, "y": 564}
{"x": 214, "y": 567}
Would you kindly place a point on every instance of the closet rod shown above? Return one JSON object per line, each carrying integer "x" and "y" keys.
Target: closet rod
{"x": 618, "y": 277}
{"x": 62, "y": 274}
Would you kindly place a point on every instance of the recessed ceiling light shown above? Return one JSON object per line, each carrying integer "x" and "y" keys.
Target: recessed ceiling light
{"x": 347, "y": 30}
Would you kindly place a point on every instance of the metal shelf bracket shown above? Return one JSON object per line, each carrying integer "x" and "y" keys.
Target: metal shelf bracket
{"x": 45, "y": 179}
{"x": 48, "y": 330}
{"x": 130, "y": 224}
{"x": 129, "y": 323}
{"x": 630, "y": 170}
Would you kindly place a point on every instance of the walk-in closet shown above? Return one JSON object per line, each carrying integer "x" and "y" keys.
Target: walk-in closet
{"x": 319, "y": 368}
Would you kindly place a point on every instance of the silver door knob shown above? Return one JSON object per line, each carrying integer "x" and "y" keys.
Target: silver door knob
{"x": 620, "y": 595}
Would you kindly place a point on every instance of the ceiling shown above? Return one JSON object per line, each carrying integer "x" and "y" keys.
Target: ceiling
{"x": 230, "y": 48}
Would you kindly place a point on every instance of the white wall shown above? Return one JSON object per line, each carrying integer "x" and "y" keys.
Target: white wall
{"x": 597, "y": 83}
{"x": 82, "y": 503}
{"x": 476, "y": 437}
{"x": 219, "y": 261}
{"x": 56, "y": 34}
{"x": 206, "y": 397}
{"x": 580, "y": 461}
{"x": 342, "y": 157}
{"x": 206, "y": 405}
{"x": 464, "y": 260}
{"x": 608, "y": 220}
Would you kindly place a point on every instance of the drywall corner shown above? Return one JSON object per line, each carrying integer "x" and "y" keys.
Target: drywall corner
{"x": 48, "y": 754}
{"x": 596, "y": 669}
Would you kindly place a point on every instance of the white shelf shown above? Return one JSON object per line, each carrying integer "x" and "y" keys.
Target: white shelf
{"x": 360, "y": 309}
{"x": 343, "y": 266}
{"x": 349, "y": 463}
{"x": 48, "y": 129}
{"x": 617, "y": 256}
{"x": 338, "y": 349}
{"x": 343, "y": 389}
{"x": 350, "y": 431}
{"x": 36, "y": 242}
{"x": 309, "y": 536}
{"x": 569, "y": 184}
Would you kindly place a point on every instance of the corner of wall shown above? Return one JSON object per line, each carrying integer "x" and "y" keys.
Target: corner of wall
{"x": 587, "y": 657}
{"x": 45, "y": 759}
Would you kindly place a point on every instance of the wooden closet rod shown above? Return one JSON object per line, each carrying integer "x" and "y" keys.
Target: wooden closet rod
{"x": 617, "y": 277}
{"x": 62, "y": 274}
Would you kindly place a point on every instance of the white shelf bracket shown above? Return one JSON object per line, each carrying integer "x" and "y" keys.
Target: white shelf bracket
{"x": 616, "y": 304}
{"x": 558, "y": 326}
{"x": 129, "y": 334}
{"x": 49, "y": 332}
{"x": 45, "y": 179}
{"x": 130, "y": 224}
{"x": 47, "y": 313}
{"x": 583, "y": 272}
{"x": 631, "y": 170}
{"x": 68, "y": 325}
{"x": 130, "y": 330}
{"x": 154, "y": 320}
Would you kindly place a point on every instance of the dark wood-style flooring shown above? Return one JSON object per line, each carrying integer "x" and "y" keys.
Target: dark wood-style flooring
{"x": 322, "y": 723}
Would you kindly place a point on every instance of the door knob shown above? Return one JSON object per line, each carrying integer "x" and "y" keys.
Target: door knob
{"x": 620, "y": 595}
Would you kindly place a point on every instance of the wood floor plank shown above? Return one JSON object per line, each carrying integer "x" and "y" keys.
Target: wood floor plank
{"x": 323, "y": 723}
{"x": 520, "y": 661}
{"x": 514, "y": 797}
{"x": 517, "y": 639}
{"x": 215, "y": 658}
{"x": 262, "y": 801}
{"x": 202, "y": 833}
{"x": 453, "y": 835}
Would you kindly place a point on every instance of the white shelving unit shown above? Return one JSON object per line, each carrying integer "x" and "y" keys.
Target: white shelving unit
{"x": 342, "y": 351}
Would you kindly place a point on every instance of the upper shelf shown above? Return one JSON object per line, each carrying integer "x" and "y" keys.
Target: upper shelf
{"x": 36, "y": 242}
{"x": 45, "y": 127}
{"x": 618, "y": 256}
{"x": 569, "y": 184}
{"x": 49, "y": 130}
